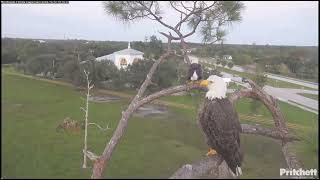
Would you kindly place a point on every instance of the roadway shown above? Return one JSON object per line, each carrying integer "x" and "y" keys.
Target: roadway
{"x": 293, "y": 80}
{"x": 287, "y": 95}
{"x": 291, "y": 95}
{"x": 273, "y": 76}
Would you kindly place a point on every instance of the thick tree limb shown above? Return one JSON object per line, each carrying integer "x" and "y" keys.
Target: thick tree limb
{"x": 207, "y": 165}
{"x": 263, "y": 131}
{"x": 291, "y": 159}
{"x": 257, "y": 93}
{"x": 213, "y": 167}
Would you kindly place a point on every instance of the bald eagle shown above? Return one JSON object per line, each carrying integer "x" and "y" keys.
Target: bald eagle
{"x": 195, "y": 71}
{"x": 220, "y": 124}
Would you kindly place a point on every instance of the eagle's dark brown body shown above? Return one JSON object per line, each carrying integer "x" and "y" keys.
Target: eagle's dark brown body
{"x": 221, "y": 127}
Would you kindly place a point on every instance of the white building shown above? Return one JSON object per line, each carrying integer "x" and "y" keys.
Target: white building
{"x": 124, "y": 57}
{"x": 40, "y": 41}
{"x": 227, "y": 57}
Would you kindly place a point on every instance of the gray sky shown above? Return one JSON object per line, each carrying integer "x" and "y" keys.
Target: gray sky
{"x": 273, "y": 22}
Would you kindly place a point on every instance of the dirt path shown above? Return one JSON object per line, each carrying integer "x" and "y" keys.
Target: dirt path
{"x": 160, "y": 102}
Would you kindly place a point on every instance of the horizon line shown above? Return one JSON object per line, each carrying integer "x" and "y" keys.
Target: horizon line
{"x": 267, "y": 44}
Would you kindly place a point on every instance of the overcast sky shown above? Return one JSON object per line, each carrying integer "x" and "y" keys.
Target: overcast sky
{"x": 273, "y": 22}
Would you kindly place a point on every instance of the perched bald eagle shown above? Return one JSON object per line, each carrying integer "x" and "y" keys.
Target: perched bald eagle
{"x": 220, "y": 124}
{"x": 195, "y": 71}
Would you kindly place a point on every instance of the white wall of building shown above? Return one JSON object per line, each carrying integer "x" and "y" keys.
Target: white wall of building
{"x": 129, "y": 59}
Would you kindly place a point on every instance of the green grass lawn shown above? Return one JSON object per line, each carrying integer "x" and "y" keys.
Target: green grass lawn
{"x": 152, "y": 147}
{"x": 311, "y": 96}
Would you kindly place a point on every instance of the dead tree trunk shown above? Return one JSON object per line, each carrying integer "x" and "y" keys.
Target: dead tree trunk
{"x": 86, "y": 110}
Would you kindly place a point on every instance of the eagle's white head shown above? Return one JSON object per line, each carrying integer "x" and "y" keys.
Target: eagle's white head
{"x": 217, "y": 87}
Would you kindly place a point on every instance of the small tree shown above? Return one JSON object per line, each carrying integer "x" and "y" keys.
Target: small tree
{"x": 155, "y": 47}
{"x": 218, "y": 61}
{"x": 87, "y": 153}
{"x": 242, "y": 59}
{"x": 223, "y": 63}
{"x": 260, "y": 79}
{"x": 89, "y": 87}
{"x": 230, "y": 65}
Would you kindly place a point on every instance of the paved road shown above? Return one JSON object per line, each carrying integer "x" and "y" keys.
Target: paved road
{"x": 288, "y": 95}
{"x": 274, "y": 76}
{"x": 294, "y": 81}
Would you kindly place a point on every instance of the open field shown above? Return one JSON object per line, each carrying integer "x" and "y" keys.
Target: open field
{"x": 152, "y": 147}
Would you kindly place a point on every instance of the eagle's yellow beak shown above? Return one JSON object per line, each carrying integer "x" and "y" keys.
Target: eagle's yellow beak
{"x": 204, "y": 83}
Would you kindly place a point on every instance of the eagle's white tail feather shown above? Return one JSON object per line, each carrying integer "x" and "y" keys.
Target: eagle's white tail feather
{"x": 238, "y": 171}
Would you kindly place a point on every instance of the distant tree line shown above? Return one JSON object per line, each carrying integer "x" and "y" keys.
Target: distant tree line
{"x": 66, "y": 59}
{"x": 299, "y": 62}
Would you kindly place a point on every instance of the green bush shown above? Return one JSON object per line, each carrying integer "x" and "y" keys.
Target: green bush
{"x": 242, "y": 59}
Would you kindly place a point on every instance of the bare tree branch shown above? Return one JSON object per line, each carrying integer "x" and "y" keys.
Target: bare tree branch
{"x": 98, "y": 126}
{"x": 193, "y": 11}
{"x": 291, "y": 159}
{"x": 215, "y": 166}
{"x": 193, "y": 30}
{"x": 155, "y": 16}
{"x": 86, "y": 119}
{"x": 185, "y": 53}
{"x": 177, "y": 9}
{"x": 207, "y": 165}
{"x": 186, "y": 8}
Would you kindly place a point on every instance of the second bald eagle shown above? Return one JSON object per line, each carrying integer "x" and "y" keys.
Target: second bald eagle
{"x": 195, "y": 71}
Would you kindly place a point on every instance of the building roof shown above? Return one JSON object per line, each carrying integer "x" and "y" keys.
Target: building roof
{"x": 127, "y": 51}
{"x": 110, "y": 57}
{"x": 227, "y": 55}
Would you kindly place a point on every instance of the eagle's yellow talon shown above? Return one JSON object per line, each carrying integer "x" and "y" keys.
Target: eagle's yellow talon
{"x": 211, "y": 152}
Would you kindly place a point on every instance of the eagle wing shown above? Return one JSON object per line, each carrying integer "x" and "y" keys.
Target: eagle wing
{"x": 199, "y": 71}
{"x": 221, "y": 127}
